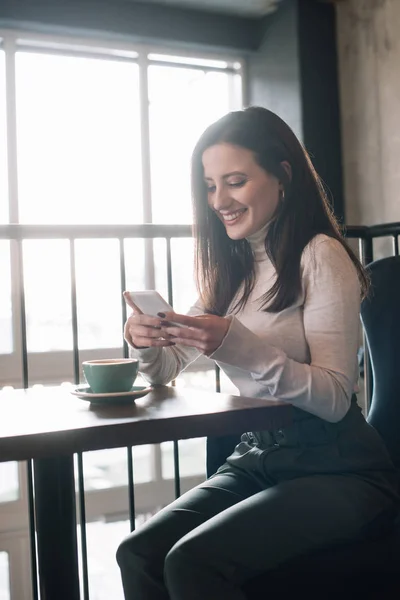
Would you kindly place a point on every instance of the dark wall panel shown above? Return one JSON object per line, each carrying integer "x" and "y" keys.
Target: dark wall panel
{"x": 294, "y": 73}
{"x": 320, "y": 94}
{"x": 274, "y": 71}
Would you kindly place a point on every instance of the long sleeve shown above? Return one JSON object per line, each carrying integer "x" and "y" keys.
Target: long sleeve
{"x": 331, "y": 327}
{"x": 161, "y": 365}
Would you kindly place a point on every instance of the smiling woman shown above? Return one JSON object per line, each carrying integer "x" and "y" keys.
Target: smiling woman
{"x": 278, "y": 311}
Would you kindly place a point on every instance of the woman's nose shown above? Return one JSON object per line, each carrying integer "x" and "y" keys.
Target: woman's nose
{"x": 221, "y": 199}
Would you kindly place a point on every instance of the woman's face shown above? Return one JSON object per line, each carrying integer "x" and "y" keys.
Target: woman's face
{"x": 243, "y": 195}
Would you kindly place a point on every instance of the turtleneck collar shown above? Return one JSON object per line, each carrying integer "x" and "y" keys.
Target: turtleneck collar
{"x": 257, "y": 242}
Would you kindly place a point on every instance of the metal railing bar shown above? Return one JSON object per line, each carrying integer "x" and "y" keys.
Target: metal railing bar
{"x": 131, "y": 488}
{"x": 123, "y": 288}
{"x": 367, "y": 256}
{"x": 82, "y": 513}
{"x": 81, "y": 482}
{"x": 355, "y": 231}
{"x": 169, "y": 272}
{"x": 74, "y": 312}
{"x": 145, "y": 230}
{"x": 32, "y": 530}
{"x": 22, "y": 307}
{"x": 385, "y": 229}
{"x": 396, "y": 245}
{"x": 177, "y": 470}
{"x": 367, "y": 250}
{"x": 177, "y": 477}
{"x": 150, "y": 230}
{"x": 131, "y": 485}
{"x": 217, "y": 378}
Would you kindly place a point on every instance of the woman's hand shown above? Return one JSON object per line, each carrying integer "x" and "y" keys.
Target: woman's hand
{"x": 204, "y": 332}
{"x": 143, "y": 331}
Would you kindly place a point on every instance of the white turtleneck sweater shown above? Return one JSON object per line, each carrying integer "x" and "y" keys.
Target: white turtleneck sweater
{"x": 305, "y": 355}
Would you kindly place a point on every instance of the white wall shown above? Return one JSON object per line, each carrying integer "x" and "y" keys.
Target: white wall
{"x": 369, "y": 71}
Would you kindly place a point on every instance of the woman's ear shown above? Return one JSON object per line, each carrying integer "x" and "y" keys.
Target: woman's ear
{"x": 287, "y": 168}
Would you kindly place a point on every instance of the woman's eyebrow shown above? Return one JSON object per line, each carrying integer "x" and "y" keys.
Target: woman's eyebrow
{"x": 227, "y": 175}
{"x": 234, "y": 173}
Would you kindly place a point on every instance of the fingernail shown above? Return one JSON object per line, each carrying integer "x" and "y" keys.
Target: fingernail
{"x": 162, "y": 315}
{"x": 165, "y": 323}
{"x": 172, "y": 344}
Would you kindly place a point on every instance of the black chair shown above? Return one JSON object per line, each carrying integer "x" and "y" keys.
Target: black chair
{"x": 368, "y": 569}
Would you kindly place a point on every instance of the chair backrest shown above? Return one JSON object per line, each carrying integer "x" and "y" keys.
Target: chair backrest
{"x": 380, "y": 315}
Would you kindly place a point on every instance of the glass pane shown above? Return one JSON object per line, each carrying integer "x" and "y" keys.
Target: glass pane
{"x": 98, "y": 287}
{"x": 185, "y": 294}
{"x": 105, "y": 469}
{"x": 183, "y": 102}
{"x": 104, "y": 575}
{"x": 3, "y": 144}
{"x": 78, "y": 140}
{"x": 134, "y": 264}
{"x": 192, "y": 453}
{"x": 160, "y": 267}
{"x": 9, "y": 482}
{"x": 382, "y": 247}
{"x": 103, "y": 539}
{"x": 192, "y": 458}
{"x": 4, "y": 577}
{"x": 47, "y": 295}
{"x": 6, "y": 337}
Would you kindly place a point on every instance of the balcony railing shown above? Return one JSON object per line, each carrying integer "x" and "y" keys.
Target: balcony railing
{"x": 18, "y": 233}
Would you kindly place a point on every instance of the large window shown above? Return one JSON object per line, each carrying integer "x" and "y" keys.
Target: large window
{"x": 101, "y": 134}
{"x": 96, "y": 136}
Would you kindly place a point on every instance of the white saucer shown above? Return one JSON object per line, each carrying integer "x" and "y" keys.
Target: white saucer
{"x": 85, "y": 393}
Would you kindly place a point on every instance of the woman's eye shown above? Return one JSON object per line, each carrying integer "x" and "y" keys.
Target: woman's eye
{"x": 211, "y": 189}
{"x": 237, "y": 184}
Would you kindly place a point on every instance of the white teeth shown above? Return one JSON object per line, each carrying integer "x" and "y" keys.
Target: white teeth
{"x": 232, "y": 216}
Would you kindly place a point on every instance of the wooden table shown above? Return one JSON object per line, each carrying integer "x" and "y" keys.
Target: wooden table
{"x": 49, "y": 425}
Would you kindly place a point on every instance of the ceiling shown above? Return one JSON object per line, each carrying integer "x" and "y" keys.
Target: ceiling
{"x": 244, "y": 8}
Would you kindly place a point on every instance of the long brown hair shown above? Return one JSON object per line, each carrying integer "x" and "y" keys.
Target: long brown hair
{"x": 222, "y": 265}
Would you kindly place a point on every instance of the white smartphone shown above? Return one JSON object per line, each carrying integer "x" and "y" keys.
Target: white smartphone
{"x": 150, "y": 303}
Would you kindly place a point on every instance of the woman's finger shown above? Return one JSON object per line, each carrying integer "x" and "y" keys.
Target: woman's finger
{"x": 182, "y": 332}
{"x": 195, "y": 322}
{"x": 145, "y": 320}
{"x": 131, "y": 304}
{"x": 146, "y": 332}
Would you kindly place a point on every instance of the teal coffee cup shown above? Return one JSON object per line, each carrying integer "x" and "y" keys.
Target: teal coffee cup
{"x": 110, "y": 376}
